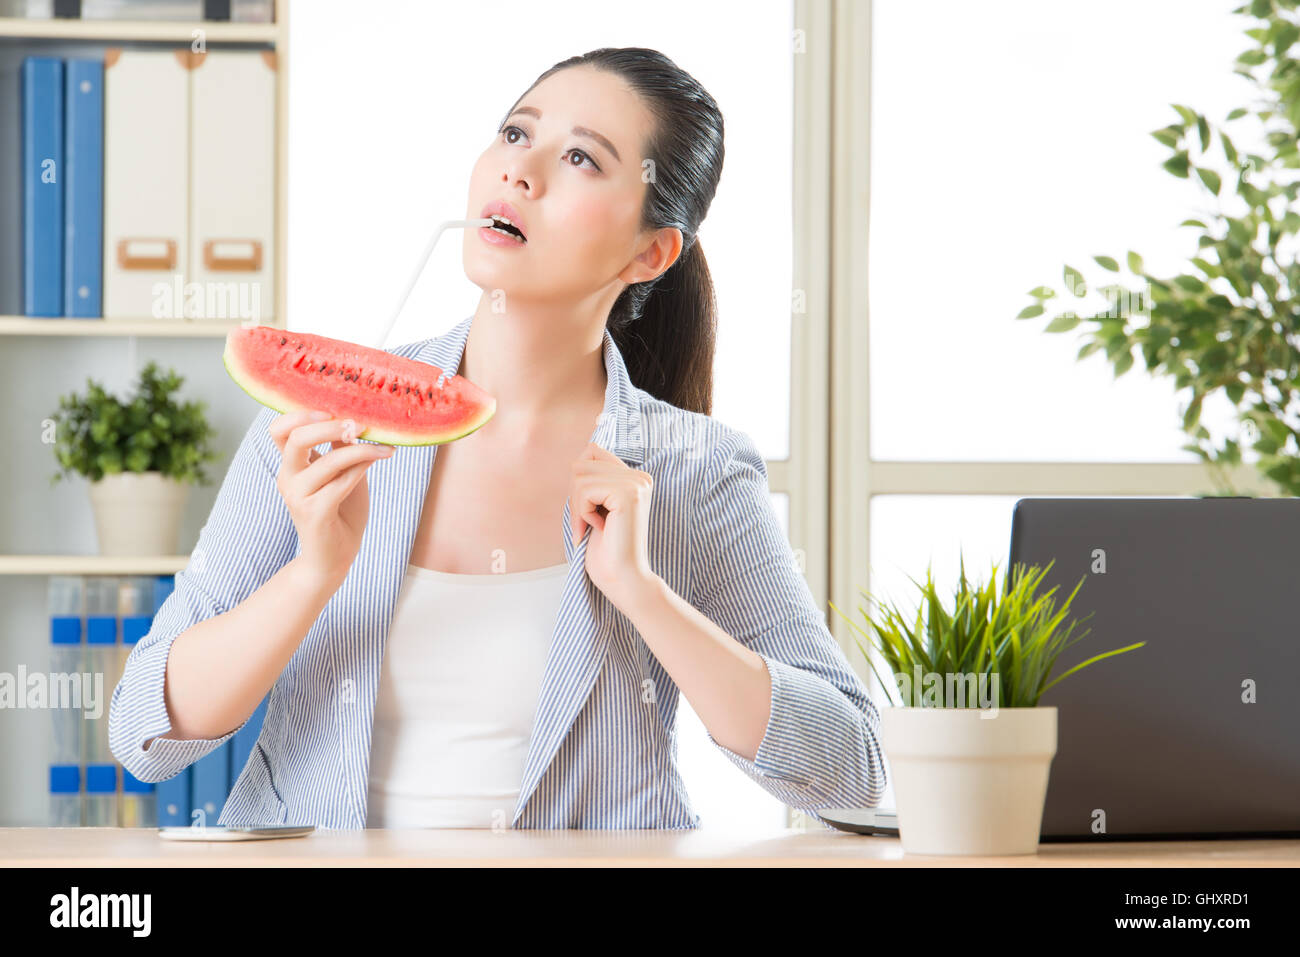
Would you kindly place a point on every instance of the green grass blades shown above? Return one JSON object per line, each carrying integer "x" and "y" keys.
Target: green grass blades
{"x": 1016, "y": 634}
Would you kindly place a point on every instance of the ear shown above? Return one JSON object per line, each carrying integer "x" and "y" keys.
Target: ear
{"x": 659, "y": 254}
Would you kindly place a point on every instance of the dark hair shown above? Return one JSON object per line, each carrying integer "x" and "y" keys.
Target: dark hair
{"x": 665, "y": 327}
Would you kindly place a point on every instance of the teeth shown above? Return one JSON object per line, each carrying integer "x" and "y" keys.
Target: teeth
{"x": 497, "y": 217}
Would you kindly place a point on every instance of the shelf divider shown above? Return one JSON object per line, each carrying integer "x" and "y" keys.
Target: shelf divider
{"x": 92, "y": 564}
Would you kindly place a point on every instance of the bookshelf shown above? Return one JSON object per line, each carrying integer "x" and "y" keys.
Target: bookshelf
{"x": 96, "y": 34}
{"x": 45, "y": 530}
{"x": 93, "y": 36}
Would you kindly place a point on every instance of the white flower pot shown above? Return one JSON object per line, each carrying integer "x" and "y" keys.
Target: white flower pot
{"x": 138, "y": 513}
{"x": 968, "y": 783}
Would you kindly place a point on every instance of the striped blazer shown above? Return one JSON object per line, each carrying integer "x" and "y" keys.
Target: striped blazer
{"x": 603, "y": 750}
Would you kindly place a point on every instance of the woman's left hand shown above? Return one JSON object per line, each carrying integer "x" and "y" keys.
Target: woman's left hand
{"x": 614, "y": 500}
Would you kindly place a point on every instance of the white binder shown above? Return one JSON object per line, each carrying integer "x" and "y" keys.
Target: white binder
{"x": 232, "y": 184}
{"x": 189, "y": 184}
{"x": 146, "y": 169}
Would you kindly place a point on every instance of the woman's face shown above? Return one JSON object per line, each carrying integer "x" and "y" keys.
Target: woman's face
{"x": 578, "y": 195}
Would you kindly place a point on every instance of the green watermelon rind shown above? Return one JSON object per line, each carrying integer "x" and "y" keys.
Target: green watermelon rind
{"x": 380, "y": 436}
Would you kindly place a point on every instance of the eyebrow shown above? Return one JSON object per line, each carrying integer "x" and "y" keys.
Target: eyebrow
{"x": 577, "y": 130}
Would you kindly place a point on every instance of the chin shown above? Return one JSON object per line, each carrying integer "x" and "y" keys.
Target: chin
{"x": 490, "y": 277}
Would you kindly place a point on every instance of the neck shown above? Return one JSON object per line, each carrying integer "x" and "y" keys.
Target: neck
{"x": 541, "y": 364}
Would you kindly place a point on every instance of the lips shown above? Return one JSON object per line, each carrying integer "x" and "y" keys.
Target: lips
{"x": 503, "y": 208}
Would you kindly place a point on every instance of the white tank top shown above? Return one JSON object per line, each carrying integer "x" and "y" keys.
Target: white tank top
{"x": 462, "y": 672}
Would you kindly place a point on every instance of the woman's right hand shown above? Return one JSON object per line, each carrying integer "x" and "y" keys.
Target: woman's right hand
{"x": 326, "y": 494}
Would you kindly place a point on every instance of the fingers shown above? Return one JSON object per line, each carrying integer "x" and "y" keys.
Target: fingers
{"x": 331, "y": 495}
{"x": 329, "y": 467}
{"x": 596, "y": 487}
{"x": 597, "y": 453}
{"x": 587, "y": 494}
{"x": 282, "y": 425}
{"x": 295, "y": 455}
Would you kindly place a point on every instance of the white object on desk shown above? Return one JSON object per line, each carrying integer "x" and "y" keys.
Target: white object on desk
{"x": 219, "y": 833}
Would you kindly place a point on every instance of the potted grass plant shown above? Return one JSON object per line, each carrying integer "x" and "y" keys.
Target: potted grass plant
{"x": 141, "y": 455}
{"x": 969, "y": 746}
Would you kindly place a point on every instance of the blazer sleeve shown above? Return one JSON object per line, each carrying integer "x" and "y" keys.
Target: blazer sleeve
{"x": 821, "y": 745}
{"x": 248, "y": 536}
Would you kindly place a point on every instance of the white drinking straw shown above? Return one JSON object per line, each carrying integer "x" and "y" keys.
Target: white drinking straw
{"x": 419, "y": 269}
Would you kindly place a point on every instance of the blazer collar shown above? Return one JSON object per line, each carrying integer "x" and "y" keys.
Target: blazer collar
{"x": 584, "y": 624}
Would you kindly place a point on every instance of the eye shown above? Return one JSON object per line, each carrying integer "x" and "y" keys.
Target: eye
{"x": 505, "y": 134}
{"x": 584, "y": 156}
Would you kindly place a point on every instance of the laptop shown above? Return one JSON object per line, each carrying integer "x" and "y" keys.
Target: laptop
{"x": 1194, "y": 734}
{"x": 1197, "y": 733}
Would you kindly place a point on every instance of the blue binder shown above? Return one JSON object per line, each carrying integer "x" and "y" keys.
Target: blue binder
{"x": 164, "y": 585}
{"x": 83, "y": 183}
{"x": 43, "y": 175}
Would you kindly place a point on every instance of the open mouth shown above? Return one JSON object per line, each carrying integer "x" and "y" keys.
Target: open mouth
{"x": 506, "y": 228}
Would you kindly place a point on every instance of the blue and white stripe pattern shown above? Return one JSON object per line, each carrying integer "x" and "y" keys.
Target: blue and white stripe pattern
{"x": 603, "y": 747}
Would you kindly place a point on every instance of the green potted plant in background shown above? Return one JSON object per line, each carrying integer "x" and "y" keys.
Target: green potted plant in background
{"x": 1228, "y": 325}
{"x": 140, "y": 455}
{"x": 969, "y": 747}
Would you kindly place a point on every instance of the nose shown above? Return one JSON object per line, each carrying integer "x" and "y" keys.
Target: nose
{"x": 513, "y": 177}
{"x": 519, "y": 172}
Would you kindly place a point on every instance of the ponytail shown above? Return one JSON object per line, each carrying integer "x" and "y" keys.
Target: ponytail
{"x": 665, "y": 330}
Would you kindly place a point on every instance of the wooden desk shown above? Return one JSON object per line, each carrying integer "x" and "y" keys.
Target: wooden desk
{"x": 132, "y": 847}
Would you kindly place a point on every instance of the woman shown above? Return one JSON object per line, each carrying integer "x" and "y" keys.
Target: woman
{"x": 504, "y": 645}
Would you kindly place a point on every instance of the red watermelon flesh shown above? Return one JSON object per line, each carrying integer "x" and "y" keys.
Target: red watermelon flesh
{"x": 397, "y": 401}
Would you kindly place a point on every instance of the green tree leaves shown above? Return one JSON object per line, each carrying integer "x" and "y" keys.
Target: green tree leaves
{"x": 1074, "y": 282}
{"x": 1230, "y": 323}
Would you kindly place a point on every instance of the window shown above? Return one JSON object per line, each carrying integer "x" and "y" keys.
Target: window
{"x": 995, "y": 162}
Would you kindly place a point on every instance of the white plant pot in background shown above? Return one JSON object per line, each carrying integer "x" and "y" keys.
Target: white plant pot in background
{"x": 967, "y": 784}
{"x": 138, "y": 513}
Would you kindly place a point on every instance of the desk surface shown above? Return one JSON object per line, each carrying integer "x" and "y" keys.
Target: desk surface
{"x": 374, "y": 847}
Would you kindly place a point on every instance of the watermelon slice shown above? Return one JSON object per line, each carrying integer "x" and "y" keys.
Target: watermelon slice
{"x": 399, "y": 401}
